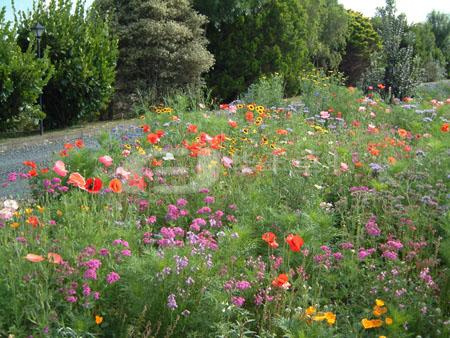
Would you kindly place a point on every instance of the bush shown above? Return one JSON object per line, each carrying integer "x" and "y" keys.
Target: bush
{"x": 84, "y": 56}
{"x": 22, "y": 77}
{"x": 268, "y": 91}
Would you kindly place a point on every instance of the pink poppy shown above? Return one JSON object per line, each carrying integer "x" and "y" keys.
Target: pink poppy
{"x": 77, "y": 180}
{"x": 34, "y": 258}
{"x": 60, "y": 168}
{"x": 121, "y": 172}
{"x": 227, "y": 162}
{"x": 106, "y": 160}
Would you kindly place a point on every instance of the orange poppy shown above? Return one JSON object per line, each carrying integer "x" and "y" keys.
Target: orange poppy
{"x": 282, "y": 132}
{"x": 34, "y": 258}
{"x": 445, "y": 128}
{"x": 54, "y": 258}
{"x": 33, "y": 221}
{"x": 98, "y": 319}
{"x": 79, "y": 143}
{"x": 232, "y": 124}
{"x": 152, "y": 138}
{"x": 192, "y": 128}
{"x": 68, "y": 146}
{"x": 33, "y": 173}
{"x": 370, "y": 324}
{"x": 77, "y": 180}
{"x": 270, "y": 238}
{"x": 115, "y": 185}
{"x": 30, "y": 164}
{"x": 281, "y": 280}
{"x": 249, "y": 116}
{"x": 295, "y": 242}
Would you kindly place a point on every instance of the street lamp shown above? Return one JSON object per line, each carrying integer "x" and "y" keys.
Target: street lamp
{"x": 39, "y": 30}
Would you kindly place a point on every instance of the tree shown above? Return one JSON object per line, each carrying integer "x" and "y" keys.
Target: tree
{"x": 440, "y": 25}
{"x": 269, "y": 38}
{"x": 332, "y": 34}
{"x": 401, "y": 69}
{"x": 161, "y": 43}
{"x": 432, "y": 59}
{"x": 22, "y": 77}
{"x": 83, "y": 54}
{"x": 362, "y": 42}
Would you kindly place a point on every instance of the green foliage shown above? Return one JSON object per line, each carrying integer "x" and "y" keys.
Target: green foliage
{"x": 440, "y": 24}
{"x": 83, "y": 53}
{"x": 22, "y": 77}
{"x": 162, "y": 46}
{"x": 401, "y": 71}
{"x": 267, "y": 91}
{"x": 362, "y": 42}
{"x": 272, "y": 39}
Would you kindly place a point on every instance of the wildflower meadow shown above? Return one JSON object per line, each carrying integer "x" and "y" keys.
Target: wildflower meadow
{"x": 249, "y": 221}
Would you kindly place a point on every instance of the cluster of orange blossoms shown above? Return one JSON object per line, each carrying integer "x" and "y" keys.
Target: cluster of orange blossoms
{"x": 379, "y": 309}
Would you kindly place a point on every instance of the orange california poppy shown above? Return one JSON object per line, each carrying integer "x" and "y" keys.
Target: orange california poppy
{"x": 34, "y": 258}
{"x": 370, "y": 324}
{"x": 295, "y": 242}
{"x": 115, "y": 185}
{"x": 98, "y": 319}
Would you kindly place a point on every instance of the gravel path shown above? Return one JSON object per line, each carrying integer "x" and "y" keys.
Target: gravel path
{"x": 42, "y": 150}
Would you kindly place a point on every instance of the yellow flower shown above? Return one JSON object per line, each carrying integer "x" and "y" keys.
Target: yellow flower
{"x": 28, "y": 211}
{"x": 388, "y": 321}
{"x": 370, "y": 324}
{"x": 382, "y": 337}
{"x": 245, "y": 130}
{"x": 331, "y": 317}
{"x": 251, "y": 107}
{"x": 98, "y": 319}
{"x": 59, "y": 213}
{"x": 379, "y": 302}
{"x": 379, "y": 310}
{"x": 14, "y": 225}
{"x": 319, "y": 317}
{"x": 142, "y": 117}
{"x": 240, "y": 106}
{"x": 16, "y": 214}
{"x": 40, "y": 209}
{"x": 310, "y": 310}
{"x": 127, "y": 146}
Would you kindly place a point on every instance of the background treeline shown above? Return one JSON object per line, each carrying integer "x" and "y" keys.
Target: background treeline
{"x": 117, "y": 55}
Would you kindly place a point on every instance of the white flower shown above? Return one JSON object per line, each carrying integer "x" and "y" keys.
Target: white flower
{"x": 169, "y": 157}
{"x": 11, "y": 204}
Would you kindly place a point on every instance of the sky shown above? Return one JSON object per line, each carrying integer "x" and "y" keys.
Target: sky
{"x": 415, "y": 10}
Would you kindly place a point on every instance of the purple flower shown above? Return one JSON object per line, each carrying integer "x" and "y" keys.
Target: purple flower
{"x": 238, "y": 301}
{"x": 104, "y": 252}
{"x": 86, "y": 290}
{"x": 181, "y": 202}
{"x": 151, "y": 220}
{"x": 126, "y": 252}
{"x": 391, "y": 255}
{"x": 171, "y": 302}
{"x": 71, "y": 299}
{"x": 209, "y": 199}
{"x": 347, "y": 246}
{"x": 96, "y": 295}
{"x": 90, "y": 274}
{"x": 243, "y": 285}
{"x": 372, "y": 227}
{"x": 112, "y": 277}
{"x": 93, "y": 264}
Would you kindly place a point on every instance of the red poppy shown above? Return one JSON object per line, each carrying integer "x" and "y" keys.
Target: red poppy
{"x": 79, "y": 143}
{"x": 282, "y": 132}
{"x": 33, "y": 173}
{"x": 356, "y": 123}
{"x": 232, "y": 124}
{"x": 381, "y": 86}
{"x": 270, "y": 238}
{"x": 146, "y": 128}
{"x": 295, "y": 242}
{"x": 152, "y": 138}
{"x": 33, "y": 221}
{"x": 93, "y": 185}
{"x": 192, "y": 128}
{"x": 44, "y": 170}
{"x": 249, "y": 116}
{"x": 68, "y": 146}
{"x": 63, "y": 153}
{"x": 281, "y": 280}
{"x": 445, "y": 128}
{"x": 160, "y": 133}
{"x": 30, "y": 164}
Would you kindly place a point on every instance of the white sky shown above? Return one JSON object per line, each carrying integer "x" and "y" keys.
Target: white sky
{"x": 415, "y": 10}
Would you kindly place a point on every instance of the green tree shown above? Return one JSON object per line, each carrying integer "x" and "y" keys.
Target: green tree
{"x": 269, "y": 38}
{"x": 362, "y": 42}
{"x": 161, "y": 43}
{"x": 22, "y": 77}
{"x": 432, "y": 59}
{"x": 83, "y": 54}
{"x": 440, "y": 25}
{"x": 401, "y": 71}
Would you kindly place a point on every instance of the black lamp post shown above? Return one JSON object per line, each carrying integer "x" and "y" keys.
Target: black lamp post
{"x": 39, "y": 30}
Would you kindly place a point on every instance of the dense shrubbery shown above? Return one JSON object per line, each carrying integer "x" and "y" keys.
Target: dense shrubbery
{"x": 83, "y": 54}
{"x": 22, "y": 77}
